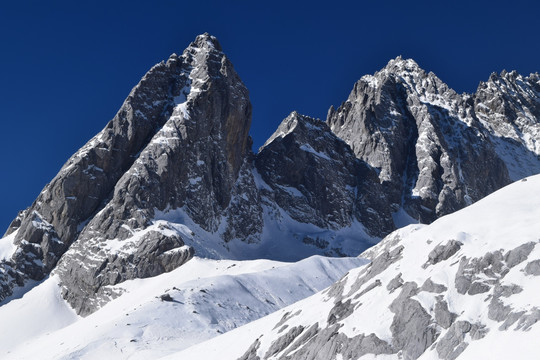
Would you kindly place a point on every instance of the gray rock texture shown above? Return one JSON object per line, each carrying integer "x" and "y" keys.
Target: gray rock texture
{"x": 52, "y": 223}
{"x": 381, "y": 308}
{"x": 438, "y": 151}
{"x": 443, "y": 252}
{"x": 411, "y": 328}
{"x": 508, "y": 106}
{"x": 193, "y": 162}
{"x": 453, "y": 342}
{"x": 533, "y": 268}
{"x": 316, "y": 178}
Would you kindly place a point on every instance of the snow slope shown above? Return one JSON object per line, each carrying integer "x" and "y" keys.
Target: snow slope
{"x": 209, "y": 297}
{"x": 7, "y": 247}
{"x": 464, "y": 287}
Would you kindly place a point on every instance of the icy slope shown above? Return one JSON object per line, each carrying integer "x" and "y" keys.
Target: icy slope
{"x": 463, "y": 287}
{"x": 207, "y": 297}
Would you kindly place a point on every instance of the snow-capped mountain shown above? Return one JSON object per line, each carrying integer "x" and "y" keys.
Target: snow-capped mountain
{"x": 464, "y": 287}
{"x": 437, "y": 151}
{"x": 173, "y": 174}
{"x": 172, "y": 180}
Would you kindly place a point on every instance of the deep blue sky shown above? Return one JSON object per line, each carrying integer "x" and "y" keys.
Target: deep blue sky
{"x": 66, "y": 67}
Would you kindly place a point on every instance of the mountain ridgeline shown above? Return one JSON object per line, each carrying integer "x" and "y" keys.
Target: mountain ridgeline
{"x": 173, "y": 174}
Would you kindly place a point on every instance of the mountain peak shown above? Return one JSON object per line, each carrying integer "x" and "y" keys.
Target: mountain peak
{"x": 294, "y": 121}
{"x": 399, "y": 65}
{"x": 207, "y": 42}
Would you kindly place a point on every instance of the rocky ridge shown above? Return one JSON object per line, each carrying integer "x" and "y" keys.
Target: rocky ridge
{"x": 192, "y": 162}
{"x": 173, "y": 174}
{"x": 314, "y": 176}
{"x": 438, "y": 151}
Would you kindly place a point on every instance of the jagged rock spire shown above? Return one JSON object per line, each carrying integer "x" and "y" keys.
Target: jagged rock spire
{"x": 423, "y": 137}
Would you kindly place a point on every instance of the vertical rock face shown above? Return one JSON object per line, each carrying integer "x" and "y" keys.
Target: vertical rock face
{"x": 508, "y": 105}
{"x": 46, "y": 229}
{"x": 438, "y": 151}
{"x": 191, "y": 163}
{"x": 179, "y": 141}
{"x": 316, "y": 178}
{"x": 174, "y": 172}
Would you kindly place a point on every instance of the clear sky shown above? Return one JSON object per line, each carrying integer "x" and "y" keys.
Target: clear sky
{"x": 66, "y": 66}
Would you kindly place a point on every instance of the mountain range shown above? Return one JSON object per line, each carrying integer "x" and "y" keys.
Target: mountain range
{"x": 172, "y": 182}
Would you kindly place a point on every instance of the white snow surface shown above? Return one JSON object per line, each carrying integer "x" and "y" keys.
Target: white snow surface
{"x": 7, "y": 247}
{"x": 210, "y": 297}
{"x": 281, "y": 238}
{"x": 501, "y": 221}
{"x": 39, "y": 311}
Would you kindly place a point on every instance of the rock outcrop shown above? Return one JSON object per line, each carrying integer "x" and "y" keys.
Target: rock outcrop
{"x": 475, "y": 290}
{"x": 315, "y": 177}
{"x": 438, "y": 151}
{"x": 191, "y": 163}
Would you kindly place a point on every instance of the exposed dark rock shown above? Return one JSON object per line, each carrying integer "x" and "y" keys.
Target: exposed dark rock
{"x": 528, "y": 320}
{"x": 283, "y": 341}
{"x": 478, "y": 288}
{"x": 533, "y": 268}
{"x": 443, "y": 316}
{"x": 433, "y": 153}
{"x": 506, "y": 290}
{"x": 444, "y": 252}
{"x": 180, "y": 167}
{"x": 368, "y": 288}
{"x": 519, "y": 254}
{"x": 179, "y": 150}
{"x": 317, "y": 242}
{"x": 335, "y": 291}
{"x": 395, "y": 283}
{"x": 323, "y": 344}
{"x": 430, "y": 286}
{"x": 340, "y": 311}
{"x": 316, "y": 178}
{"x": 452, "y": 344}
{"x": 251, "y": 353}
{"x": 491, "y": 265}
{"x": 88, "y": 177}
{"x": 511, "y": 319}
{"x": 286, "y": 317}
{"x": 508, "y": 105}
{"x": 497, "y": 310}
{"x": 377, "y": 266}
{"x": 412, "y": 330}
{"x": 166, "y": 297}
{"x": 302, "y": 339}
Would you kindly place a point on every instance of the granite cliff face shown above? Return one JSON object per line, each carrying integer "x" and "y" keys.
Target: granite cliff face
{"x": 173, "y": 174}
{"x": 508, "y": 106}
{"x": 45, "y": 230}
{"x": 438, "y": 151}
{"x": 192, "y": 162}
{"x": 316, "y": 178}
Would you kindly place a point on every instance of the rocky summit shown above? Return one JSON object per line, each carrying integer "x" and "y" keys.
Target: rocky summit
{"x": 437, "y": 151}
{"x": 173, "y": 176}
